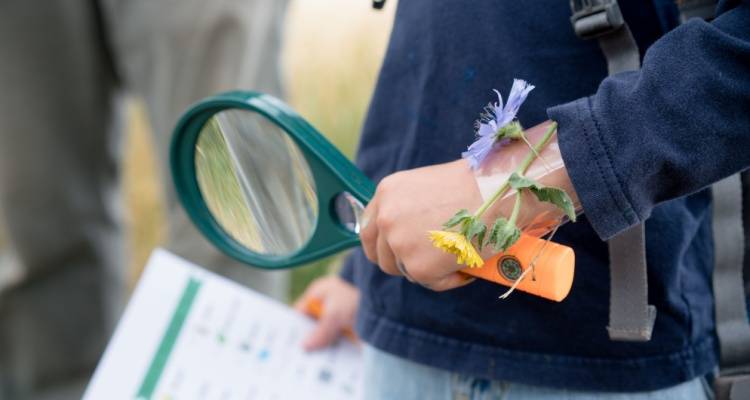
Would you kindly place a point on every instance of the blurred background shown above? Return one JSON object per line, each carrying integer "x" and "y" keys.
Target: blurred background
{"x": 329, "y": 70}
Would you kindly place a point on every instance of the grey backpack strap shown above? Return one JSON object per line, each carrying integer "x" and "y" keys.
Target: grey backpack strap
{"x": 631, "y": 318}
{"x": 732, "y": 327}
{"x": 703, "y": 9}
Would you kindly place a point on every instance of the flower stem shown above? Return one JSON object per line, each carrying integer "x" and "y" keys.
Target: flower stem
{"x": 520, "y": 170}
{"x": 516, "y": 209}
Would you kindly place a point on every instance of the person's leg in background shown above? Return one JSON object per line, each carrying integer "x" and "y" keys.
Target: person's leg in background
{"x": 58, "y": 195}
{"x": 174, "y": 53}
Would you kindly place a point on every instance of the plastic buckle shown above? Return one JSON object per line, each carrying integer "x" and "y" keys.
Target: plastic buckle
{"x": 594, "y": 18}
{"x": 378, "y": 4}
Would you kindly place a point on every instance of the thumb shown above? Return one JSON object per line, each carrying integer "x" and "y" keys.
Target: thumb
{"x": 325, "y": 333}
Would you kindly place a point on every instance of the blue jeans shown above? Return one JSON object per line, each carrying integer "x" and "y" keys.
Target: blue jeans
{"x": 390, "y": 377}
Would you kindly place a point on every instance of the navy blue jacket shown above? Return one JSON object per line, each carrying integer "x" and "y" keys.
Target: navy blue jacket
{"x": 638, "y": 146}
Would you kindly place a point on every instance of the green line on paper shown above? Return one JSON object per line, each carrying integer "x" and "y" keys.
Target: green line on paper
{"x": 151, "y": 379}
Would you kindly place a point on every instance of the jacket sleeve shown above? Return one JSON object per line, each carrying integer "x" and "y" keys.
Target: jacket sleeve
{"x": 676, "y": 126}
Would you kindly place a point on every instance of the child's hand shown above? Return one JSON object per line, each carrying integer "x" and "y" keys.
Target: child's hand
{"x": 340, "y": 301}
{"x": 406, "y": 206}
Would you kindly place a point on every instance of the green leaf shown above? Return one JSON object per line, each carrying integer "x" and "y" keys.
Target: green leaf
{"x": 503, "y": 234}
{"x": 476, "y": 229}
{"x": 519, "y": 182}
{"x": 557, "y": 197}
{"x": 480, "y": 237}
{"x": 461, "y": 217}
{"x": 547, "y": 194}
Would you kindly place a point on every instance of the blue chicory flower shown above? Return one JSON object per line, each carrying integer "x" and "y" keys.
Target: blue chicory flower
{"x": 489, "y": 127}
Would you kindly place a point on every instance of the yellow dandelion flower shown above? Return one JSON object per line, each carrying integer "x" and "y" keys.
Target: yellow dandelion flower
{"x": 457, "y": 244}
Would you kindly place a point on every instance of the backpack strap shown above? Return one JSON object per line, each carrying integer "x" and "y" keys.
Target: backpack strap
{"x": 602, "y": 20}
{"x": 732, "y": 327}
{"x": 703, "y": 9}
{"x": 631, "y": 318}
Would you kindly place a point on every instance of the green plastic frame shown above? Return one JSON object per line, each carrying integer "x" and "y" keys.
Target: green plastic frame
{"x": 332, "y": 171}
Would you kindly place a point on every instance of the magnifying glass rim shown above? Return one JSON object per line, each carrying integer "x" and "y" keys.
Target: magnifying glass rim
{"x": 328, "y": 236}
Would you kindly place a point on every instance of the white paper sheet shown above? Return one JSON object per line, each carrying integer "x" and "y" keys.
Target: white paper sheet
{"x": 189, "y": 334}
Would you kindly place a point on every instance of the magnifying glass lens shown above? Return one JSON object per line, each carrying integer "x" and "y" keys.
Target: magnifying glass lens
{"x": 256, "y": 182}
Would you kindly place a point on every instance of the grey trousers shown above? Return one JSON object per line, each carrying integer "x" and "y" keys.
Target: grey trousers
{"x": 63, "y": 66}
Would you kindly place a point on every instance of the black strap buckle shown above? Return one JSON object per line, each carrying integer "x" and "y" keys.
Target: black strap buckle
{"x": 594, "y": 18}
{"x": 378, "y": 4}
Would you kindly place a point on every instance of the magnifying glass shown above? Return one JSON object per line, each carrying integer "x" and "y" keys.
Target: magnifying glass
{"x": 267, "y": 189}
